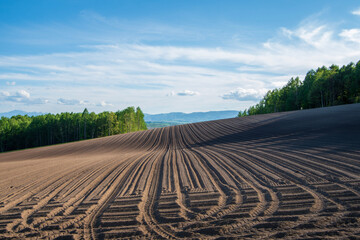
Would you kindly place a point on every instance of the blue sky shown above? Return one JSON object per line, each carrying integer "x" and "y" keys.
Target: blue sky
{"x": 165, "y": 56}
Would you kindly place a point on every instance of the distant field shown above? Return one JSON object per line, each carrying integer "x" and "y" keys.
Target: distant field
{"x": 151, "y": 125}
{"x": 292, "y": 175}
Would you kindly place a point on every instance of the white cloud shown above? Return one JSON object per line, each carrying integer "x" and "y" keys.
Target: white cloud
{"x": 187, "y": 93}
{"x": 356, "y": 12}
{"x": 38, "y": 101}
{"x": 242, "y": 94}
{"x": 310, "y": 46}
{"x": 352, "y": 35}
{"x": 147, "y": 75}
{"x": 182, "y": 93}
{"x": 310, "y": 34}
{"x": 21, "y": 96}
{"x": 4, "y": 94}
{"x": 71, "y": 101}
{"x": 11, "y": 83}
{"x": 104, "y": 104}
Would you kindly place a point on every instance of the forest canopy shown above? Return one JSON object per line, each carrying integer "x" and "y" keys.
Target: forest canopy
{"x": 321, "y": 88}
{"x": 19, "y": 132}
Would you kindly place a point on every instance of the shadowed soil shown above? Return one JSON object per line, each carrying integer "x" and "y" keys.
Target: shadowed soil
{"x": 291, "y": 175}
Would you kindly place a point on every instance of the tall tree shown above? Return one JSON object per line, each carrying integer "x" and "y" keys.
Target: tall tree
{"x": 85, "y": 116}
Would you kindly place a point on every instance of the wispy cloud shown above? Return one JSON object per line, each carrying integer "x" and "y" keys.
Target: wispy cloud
{"x": 187, "y": 93}
{"x": 241, "y": 94}
{"x": 11, "y": 83}
{"x": 147, "y": 74}
{"x": 170, "y": 94}
{"x": 104, "y": 104}
{"x": 356, "y": 12}
{"x": 352, "y": 35}
{"x": 63, "y": 101}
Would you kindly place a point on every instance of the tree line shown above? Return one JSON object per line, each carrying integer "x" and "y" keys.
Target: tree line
{"x": 19, "y": 132}
{"x": 321, "y": 88}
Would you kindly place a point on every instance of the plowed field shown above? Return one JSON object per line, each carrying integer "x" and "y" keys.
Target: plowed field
{"x": 283, "y": 175}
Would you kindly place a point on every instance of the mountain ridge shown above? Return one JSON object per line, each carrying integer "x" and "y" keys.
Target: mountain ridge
{"x": 19, "y": 112}
{"x": 190, "y": 117}
{"x": 178, "y": 117}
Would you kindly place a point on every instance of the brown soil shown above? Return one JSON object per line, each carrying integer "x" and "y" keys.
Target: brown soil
{"x": 293, "y": 175}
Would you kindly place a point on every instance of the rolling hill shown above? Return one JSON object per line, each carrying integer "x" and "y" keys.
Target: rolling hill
{"x": 292, "y": 175}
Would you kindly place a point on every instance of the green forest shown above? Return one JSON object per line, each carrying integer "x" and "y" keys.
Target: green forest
{"x": 321, "y": 88}
{"x": 19, "y": 132}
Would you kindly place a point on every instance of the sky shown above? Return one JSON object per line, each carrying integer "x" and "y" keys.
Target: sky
{"x": 165, "y": 56}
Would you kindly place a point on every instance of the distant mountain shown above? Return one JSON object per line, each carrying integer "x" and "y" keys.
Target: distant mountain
{"x": 19, "y": 112}
{"x": 180, "y": 117}
{"x": 169, "y": 118}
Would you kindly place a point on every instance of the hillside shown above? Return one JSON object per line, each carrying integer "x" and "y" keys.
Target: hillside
{"x": 293, "y": 175}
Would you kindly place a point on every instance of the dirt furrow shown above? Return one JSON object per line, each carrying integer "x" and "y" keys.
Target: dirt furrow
{"x": 290, "y": 175}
